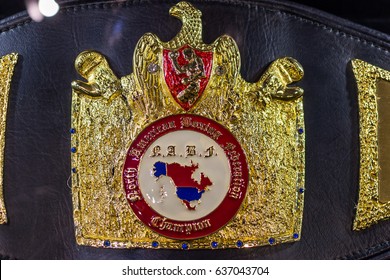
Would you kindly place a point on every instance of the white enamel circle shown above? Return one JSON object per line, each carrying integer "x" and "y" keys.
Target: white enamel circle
{"x": 191, "y": 150}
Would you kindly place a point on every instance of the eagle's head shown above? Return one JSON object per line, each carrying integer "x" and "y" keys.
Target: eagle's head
{"x": 185, "y": 11}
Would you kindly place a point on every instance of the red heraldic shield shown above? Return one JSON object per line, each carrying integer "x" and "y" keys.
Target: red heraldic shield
{"x": 187, "y": 72}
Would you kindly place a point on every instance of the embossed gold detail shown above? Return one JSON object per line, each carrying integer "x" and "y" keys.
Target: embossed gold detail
{"x": 7, "y": 64}
{"x": 266, "y": 117}
{"x": 383, "y": 98}
{"x": 370, "y": 209}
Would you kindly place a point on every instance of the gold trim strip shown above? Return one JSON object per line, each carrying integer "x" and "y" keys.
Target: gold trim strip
{"x": 7, "y": 64}
{"x": 370, "y": 209}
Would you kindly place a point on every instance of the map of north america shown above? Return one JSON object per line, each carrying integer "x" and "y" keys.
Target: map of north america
{"x": 187, "y": 188}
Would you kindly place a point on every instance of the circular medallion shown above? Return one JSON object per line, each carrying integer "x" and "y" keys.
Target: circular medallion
{"x": 185, "y": 176}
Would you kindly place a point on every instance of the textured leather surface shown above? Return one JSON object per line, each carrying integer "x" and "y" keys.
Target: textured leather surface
{"x": 37, "y": 156}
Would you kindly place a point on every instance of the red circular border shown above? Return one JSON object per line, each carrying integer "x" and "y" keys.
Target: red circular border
{"x": 217, "y": 218}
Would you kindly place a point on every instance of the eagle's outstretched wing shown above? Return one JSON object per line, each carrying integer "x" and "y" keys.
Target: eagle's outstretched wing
{"x": 147, "y": 74}
{"x": 226, "y": 66}
{"x": 227, "y": 55}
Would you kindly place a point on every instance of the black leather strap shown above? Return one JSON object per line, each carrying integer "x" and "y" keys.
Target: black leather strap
{"x": 37, "y": 157}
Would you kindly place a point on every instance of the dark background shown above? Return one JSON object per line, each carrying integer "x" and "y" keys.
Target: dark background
{"x": 374, "y": 13}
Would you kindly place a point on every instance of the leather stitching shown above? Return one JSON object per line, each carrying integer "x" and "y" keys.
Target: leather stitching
{"x": 335, "y": 31}
{"x": 248, "y": 3}
{"x": 364, "y": 253}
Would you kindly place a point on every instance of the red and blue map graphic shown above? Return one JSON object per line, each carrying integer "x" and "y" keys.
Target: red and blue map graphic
{"x": 187, "y": 188}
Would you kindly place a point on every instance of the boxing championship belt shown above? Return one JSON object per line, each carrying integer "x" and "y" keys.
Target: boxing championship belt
{"x": 215, "y": 129}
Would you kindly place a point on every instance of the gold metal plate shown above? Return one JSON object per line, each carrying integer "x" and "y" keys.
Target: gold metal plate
{"x": 266, "y": 118}
{"x": 7, "y": 64}
{"x": 383, "y": 101}
{"x": 374, "y": 92}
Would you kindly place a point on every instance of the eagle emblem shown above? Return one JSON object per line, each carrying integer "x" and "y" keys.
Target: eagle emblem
{"x": 188, "y": 65}
{"x": 197, "y": 152}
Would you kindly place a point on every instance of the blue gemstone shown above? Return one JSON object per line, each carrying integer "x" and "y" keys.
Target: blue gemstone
{"x": 271, "y": 241}
{"x": 239, "y": 244}
{"x": 300, "y": 130}
{"x": 214, "y": 244}
{"x": 184, "y": 246}
{"x": 301, "y": 190}
{"x": 106, "y": 243}
{"x": 295, "y": 235}
{"x": 72, "y": 130}
{"x": 74, "y": 170}
{"x": 155, "y": 244}
{"x": 73, "y": 149}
